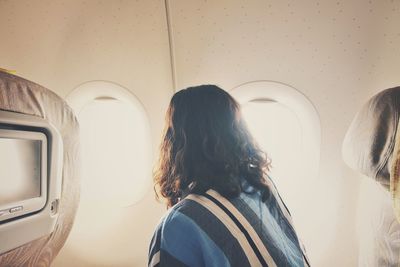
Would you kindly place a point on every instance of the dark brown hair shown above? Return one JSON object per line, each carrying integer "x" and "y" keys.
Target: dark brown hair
{"x": 206, "y": 145}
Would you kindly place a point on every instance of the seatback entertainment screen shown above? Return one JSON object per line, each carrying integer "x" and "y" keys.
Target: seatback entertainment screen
{"x": 20, "y": 167}
{"x": 31, "y": 177}
{"x": 22, "y": 172}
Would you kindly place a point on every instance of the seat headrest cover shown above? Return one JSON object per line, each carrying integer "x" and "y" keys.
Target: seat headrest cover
{"x": 369, "y": 142}
{"x": 395, "y": 175}
{"x": 23, "y": 96}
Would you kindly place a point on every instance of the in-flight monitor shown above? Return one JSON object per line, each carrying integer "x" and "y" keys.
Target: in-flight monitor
{"x": 23, "y": 173}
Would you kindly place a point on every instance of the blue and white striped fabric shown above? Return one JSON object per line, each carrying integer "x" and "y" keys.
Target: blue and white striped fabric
{"x": 211, "y": 231}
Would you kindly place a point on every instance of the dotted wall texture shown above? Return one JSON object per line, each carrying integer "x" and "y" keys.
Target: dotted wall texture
{"x": 62, "y": 44}
{"x": 338, "y": 53}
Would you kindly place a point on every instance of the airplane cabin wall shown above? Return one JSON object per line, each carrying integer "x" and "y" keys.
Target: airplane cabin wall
{"x": 337, "y": 53}
{"x": 62, "y": 44}
{"x": 385, "y": 69}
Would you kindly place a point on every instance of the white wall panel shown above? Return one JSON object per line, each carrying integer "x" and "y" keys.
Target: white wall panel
{"x": 62, "y": 44}
{"x": 337, "y": 53}
{"x": 332, "y": 51}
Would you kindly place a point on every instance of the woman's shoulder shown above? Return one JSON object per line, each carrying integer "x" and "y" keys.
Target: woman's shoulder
{"x": 175, "y": 226}
{"x": 185, "y": 211}
{"x": 177, "y": 239}
{"x": 208, "y": 209}
{"x": 198, "y": 211}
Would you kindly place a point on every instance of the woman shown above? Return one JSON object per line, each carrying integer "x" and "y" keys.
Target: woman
{"x": 224, "y": 209}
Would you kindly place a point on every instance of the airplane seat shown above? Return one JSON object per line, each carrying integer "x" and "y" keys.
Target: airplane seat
{"x": 34, "y": 239}
{"x": 372, "y": 148}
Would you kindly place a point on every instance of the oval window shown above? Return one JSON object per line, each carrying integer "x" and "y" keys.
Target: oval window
{"x": 116, "y": 170}
{"x": 278, "y": 132}
{"x": 286, "y": 126}
{"x": 115, "y": 143}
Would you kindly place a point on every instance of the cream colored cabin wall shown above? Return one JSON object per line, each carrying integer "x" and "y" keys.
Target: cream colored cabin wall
{"x": 62, "y": 44}
{"x": 386, "y": 62}
{"x": 338, "y": 53}
{"x": 325, "y": 49}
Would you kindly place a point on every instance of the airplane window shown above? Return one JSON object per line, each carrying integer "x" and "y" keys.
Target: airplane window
{"x": 286, "y": 126}
{"x": 278, "y": 132}
{"x": 112, "y": 152}
{"x": 115, "y": 144}
{"x": 116, "y": 168}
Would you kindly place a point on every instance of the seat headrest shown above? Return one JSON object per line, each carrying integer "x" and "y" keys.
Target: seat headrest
{"x": 22, "y": 96}
{"x": 372, "y": 143}
{"x": 369, "y": 143}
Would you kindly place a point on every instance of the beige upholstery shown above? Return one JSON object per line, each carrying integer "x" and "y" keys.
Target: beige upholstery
{"x": 372, "y": 147}
{"x": 395, "y": 175}
{"x": 369, "y": 142}
{"x": 22, "y": 96}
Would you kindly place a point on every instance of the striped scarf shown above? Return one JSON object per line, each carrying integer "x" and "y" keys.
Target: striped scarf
{"x": 210, "y": 230}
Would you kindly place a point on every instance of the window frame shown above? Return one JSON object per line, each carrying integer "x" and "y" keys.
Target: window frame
{"x": 296, "y": 101}
{"x": 87, "y": 92}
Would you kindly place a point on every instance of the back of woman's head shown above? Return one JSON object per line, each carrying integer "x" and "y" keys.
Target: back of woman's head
{"x": 206, "y": 145}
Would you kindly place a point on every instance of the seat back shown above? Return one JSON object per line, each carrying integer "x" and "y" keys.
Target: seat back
{"x": 372, "y": 148}
{"x": 21, "y": 100}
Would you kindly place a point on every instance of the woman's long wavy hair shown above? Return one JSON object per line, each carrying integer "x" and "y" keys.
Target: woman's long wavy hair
{"x": 206, "y": 145}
